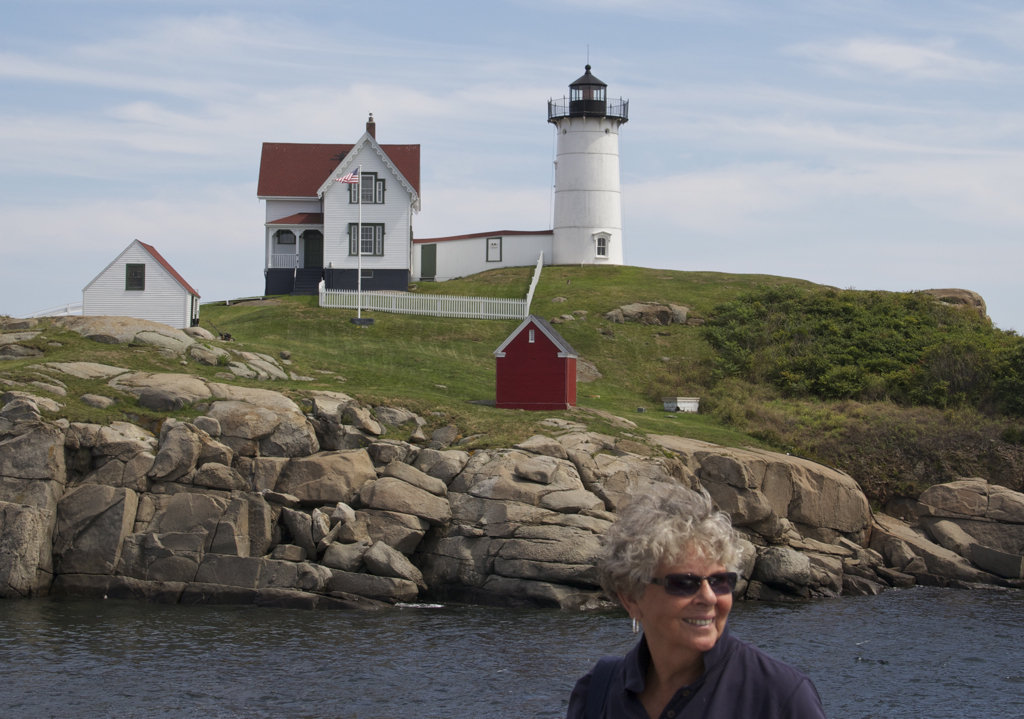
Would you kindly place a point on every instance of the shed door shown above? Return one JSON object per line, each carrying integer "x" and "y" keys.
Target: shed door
{"x": 428, "y": 262}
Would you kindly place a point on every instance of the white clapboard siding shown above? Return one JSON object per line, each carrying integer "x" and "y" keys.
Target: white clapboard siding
{"x": 164, "y": 299}
{"x": 462, "y": 258}
{"x": 394, "y": 213}
{"x": 277, "y": 209}
{"x": 482, "y": 308}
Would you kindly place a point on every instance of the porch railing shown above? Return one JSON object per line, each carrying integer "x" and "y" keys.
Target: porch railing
{"x": 288, "y": 261}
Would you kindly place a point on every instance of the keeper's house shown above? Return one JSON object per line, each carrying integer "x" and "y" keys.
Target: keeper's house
{"x": 536, "y": 368}
{"x": 312, "y": 218}
{"x": 140, "y": 283}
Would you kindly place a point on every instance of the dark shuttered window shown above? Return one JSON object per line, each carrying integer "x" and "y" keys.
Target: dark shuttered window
{"x": 135, "y": 277}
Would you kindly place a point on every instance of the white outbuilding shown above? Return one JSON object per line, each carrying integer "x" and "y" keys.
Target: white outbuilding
{"x": 140, "y": 283}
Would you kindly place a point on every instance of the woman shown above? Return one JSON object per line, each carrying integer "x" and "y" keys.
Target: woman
{"x": 667, "y": 560}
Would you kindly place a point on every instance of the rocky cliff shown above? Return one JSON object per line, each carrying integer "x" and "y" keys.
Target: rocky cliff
{"x": 259, "y": 500}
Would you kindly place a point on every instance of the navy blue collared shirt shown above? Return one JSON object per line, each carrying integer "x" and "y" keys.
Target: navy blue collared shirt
{"x": 739, "y": 682}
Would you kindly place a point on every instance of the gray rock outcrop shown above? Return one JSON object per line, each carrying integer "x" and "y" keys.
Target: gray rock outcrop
{"x": 246, "y": 503}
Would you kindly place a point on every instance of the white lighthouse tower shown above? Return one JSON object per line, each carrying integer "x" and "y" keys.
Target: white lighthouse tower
{"x": 588, "y": 206}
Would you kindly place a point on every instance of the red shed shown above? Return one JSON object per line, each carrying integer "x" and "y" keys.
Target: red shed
{"x": 536, "y": 368}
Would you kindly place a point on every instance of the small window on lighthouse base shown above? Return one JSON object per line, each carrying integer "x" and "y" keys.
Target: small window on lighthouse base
{"x": 601, "y": 242}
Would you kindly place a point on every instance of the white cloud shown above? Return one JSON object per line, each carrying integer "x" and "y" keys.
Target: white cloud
{"x": 214, "y": 238}
{"x": 891, "y": 57}
{"x": 466, "y": 210}
{"x": 743, "y": 198}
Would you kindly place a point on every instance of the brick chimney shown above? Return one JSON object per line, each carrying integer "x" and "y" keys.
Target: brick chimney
{"x": 371, "y": 127}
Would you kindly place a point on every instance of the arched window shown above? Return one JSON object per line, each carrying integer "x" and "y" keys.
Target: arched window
{"x": 285, "y": 237}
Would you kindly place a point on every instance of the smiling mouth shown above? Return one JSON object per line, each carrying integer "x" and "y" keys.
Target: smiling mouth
{"x": 700, "y": 622}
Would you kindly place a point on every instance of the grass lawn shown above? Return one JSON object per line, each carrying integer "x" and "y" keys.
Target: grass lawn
{"x": 439, "y": 365}
{"x": 436, "y": 367}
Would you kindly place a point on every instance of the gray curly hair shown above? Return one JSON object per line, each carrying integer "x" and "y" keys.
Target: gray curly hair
{"x": 662, "y": 524}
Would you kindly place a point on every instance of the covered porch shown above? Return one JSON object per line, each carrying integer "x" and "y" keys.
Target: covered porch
{"x": 295, "y": 242}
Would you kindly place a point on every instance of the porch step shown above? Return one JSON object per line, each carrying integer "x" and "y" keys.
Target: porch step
{"x": 307, "y": 281}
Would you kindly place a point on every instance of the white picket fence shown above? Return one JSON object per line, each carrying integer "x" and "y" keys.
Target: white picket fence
{"x": 533, "y": 283}
{"x": 479, "y": 308}
{"x": 484, "y": 308}
{"x": 69, "y": 308}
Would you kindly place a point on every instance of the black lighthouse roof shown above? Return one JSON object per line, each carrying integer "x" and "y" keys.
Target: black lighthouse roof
{"x": 588, "y": 79}
{"x": 588, "y": 97}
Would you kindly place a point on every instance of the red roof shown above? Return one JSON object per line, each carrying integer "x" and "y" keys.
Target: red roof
{"x": 302, "y": 218}
{"x": 167, "y": 266}
{"x": 289, "y": 169}
{"x": 499, "y": 233}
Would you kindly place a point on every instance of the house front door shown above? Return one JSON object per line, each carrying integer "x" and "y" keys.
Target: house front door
{"x": 313, "y": 251}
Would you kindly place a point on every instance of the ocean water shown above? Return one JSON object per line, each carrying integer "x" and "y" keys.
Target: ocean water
{"x": 922, "y": 652}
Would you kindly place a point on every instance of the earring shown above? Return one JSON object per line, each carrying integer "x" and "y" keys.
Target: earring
{"x": 636, "y": 626}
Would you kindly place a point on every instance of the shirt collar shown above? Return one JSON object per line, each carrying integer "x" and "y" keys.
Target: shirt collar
{"x": 639, "y": 659}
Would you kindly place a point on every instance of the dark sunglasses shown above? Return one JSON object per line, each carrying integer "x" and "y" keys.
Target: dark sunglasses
{"x": 686, "y": 585}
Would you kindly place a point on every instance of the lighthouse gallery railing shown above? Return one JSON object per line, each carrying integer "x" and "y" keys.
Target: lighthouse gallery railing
{"x": 564, "y": 107}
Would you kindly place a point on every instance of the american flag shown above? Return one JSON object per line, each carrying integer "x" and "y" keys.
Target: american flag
{"x": 349, "y": 179}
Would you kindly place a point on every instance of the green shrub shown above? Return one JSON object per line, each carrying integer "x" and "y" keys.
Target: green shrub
{"x": 868, "y": 346}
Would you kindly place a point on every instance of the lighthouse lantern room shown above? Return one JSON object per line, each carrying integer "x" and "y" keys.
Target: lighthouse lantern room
{"x": 588, "y": 206}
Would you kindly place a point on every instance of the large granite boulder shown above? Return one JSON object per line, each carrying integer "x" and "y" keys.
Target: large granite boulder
{"x": 971, "y": 513}
{"x": 396, "y": 529}
{"x": 92, "y": 522}
{"x": 327, "y": 477}
{"x": 300, "y": 527}
{"x": 784, "y": 569}
{"x": 109, "y": 329}
{"x": 937, "y": 559}
{"x": 387, "y": 589}
{"x": 160, "y": 391}
{"x": 262, "y": 422}
{"x": 25, "y": 550}
{"x": 416, "y": 478}
{"x": 614, "y": 478}
{"x": 346, "y": 557}
{"x": 1002, "y": 564}
{"x": 756, "y": 485}
{"x": 32, "y": 450}
{"x": 167, "y": 557}
{"x": 179, "y": 452}
{"x": 302, "y": 576}
{"x": 186, "y": 513}
{"x": 443, "y": 464}
{"x": 384, "y": 561}
{"x": 457, "y": 560}
{"x": 243, "y": 425}
{"x": 32, "y": 466}
{"x": 563, "y": 555}
{"x": 540, "y": 481}
{"x": 540, "y": 444}
{"x": 395, "y": 495}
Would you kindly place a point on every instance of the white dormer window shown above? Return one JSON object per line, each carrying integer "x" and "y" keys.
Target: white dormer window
{"x": 601, "y": 242}
{"x": 532, "y": 337}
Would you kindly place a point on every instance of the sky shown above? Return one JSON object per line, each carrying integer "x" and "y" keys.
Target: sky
{"x": 855, "y": 143}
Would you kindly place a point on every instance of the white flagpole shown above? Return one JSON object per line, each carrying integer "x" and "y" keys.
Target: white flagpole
{"x": 359, "y": 237}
